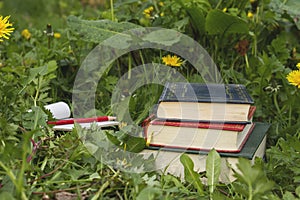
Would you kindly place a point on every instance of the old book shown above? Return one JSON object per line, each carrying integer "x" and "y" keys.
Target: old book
{"x": 204, "y": 102}
{"x": 168, "y": 160}
{"x": 198, "y": 135}
{"x": 61, "y": 113}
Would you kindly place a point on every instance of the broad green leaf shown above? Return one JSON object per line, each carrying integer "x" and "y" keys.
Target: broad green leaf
{"x": 252, "y": 180}
{"x": 113, "y": 139}
{"x": 190, "y": 175}
{"x": 290, "y": 7}
{"x": 97, "y": 30}
{"x": 213, "y": 169}
{"x": 298, "y": 191}
{"x": 149, "y": 193}
{"x": 196, "y": 13}
{"x": 163, "y": 36}
{"x": 135, "y": 144}
{"x": 219, "y": 196}
{"x": 218, "y": 22}
{"x": 94, "y": 176}
{"x": 197, "y": 19}
{"x": 288, "y": 196}
{"x": 128, "y": 142}
{"x": 51, "y": 66}
{"x": 6, "y": 195}
{"x": 34, "y": 72}
{"x": 35, "y": 119}
{"x": 247, "y": 174}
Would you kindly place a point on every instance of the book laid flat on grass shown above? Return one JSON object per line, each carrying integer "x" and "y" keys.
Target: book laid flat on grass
{"x": 61, "y": 113}
{"x": 168, "y": 160}
{"x": 197, "y": 135}
{"x": 204, "y": 102}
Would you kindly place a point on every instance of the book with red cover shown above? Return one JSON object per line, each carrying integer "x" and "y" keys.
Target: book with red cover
{"x": 191, "y": 135}
{"x": 254, "y": 147}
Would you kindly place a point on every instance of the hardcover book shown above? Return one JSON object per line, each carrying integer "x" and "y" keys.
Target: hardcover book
{"x": 197, "y": 135}
{"x": 167, "y": 159}
{"x": 204, "y": 102}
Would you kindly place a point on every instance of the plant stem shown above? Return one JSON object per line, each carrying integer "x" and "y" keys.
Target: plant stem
{"x": 219, "y": 3}
{"x": 22, "y": 171}
{"x": 112, "y": 10}
{"x": 276, "y": 104}
{"x": 290, "y": 116}
{"x": 104, "y": 186}
{"x": 254, "y": 50}
{"x": 9, "y": 173}
{"x": 143, "y": 62}
{"x": 250, "y": 191}
{"x": 129, "y": 66}
{"x": 246, "y": 60}
{"x": 64, "y": 181}
{"x": 18, "y": 185}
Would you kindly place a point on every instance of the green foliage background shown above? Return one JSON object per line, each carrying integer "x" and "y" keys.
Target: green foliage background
{"x": 257, "y": 51}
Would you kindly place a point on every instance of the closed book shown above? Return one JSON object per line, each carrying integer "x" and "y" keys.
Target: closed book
{"x": 204, "y": 102}
{"x": 197, "y": 135}
{"x": 168, "y": 160}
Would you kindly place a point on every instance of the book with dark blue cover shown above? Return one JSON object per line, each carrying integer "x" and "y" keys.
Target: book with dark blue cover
{"x": 201, "y": 92}
{"x": 204, "y": 102}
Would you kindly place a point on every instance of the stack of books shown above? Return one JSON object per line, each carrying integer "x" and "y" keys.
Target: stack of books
{"x": 195, "y": 118}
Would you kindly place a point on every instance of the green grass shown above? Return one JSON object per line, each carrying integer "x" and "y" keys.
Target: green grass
{"x": 36, "y": 162}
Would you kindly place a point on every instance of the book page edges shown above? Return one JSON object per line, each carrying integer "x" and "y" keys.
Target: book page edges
{"x": 203, "y": 111}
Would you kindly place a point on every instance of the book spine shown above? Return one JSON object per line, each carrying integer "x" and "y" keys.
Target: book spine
{"x": 148, "y": 120}
{"x": 247, "y": 136}
{"x": 251, "y": 112}
{"x": 145, "y": 125}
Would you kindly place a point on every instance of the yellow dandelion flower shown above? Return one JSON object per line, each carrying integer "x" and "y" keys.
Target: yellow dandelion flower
{"x": 57, "y": 35}
{"x": 250, "y": 14}
{"x": 298, "y": 65}
{"x": 225, "y": 9}
{"x": 173, "y": 61}
{"x": 162, "y": 14}
{"x": 148, "y": 11}
{"x": 161, "y": 3}
{"x": 294, "y": 78}
{"x": 4, "y": 28}
{"x": 26, "y": 34}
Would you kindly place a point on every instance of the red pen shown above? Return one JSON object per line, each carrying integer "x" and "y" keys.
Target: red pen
{"x": 82, "y": 120}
